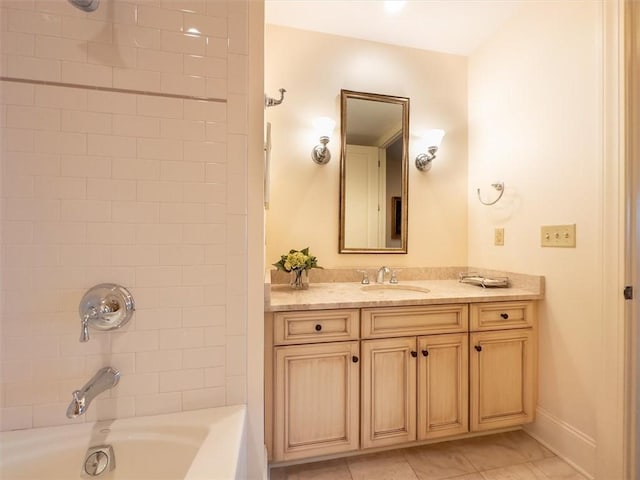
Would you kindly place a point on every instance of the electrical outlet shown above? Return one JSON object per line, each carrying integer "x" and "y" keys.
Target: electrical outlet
{"x": 498, "y": 237}
{"x": 558, "y": 236}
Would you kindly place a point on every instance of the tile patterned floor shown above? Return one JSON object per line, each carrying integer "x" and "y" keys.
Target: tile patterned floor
{"x": 503, "y": 456}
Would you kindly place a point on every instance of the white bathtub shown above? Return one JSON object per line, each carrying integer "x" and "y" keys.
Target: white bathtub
{"x": 203, "y": 444}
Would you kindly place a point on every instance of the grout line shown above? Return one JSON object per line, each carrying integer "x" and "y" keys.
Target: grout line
{"x": 113, "y": 89}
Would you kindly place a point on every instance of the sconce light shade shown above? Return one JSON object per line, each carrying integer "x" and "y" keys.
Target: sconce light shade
{"x": 432, "y": 140}
{"x": 324, "y": 127}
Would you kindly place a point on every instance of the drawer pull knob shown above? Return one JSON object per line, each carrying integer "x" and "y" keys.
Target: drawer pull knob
{"x": 414, "y": 354}
{"x": 354, "y": 359}
{"x": 478, "y": 348}
{"x": 425, "y": 353}
{"x": 318, "y": 327}
{"x": 504, "y": 315}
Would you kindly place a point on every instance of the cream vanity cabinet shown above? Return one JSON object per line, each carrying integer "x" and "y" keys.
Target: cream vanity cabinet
{"x": 502, "y": 364}
{"x": 316, "y": 387}
{"x": 414, "y": 373}
{"x": 345, "y": 379}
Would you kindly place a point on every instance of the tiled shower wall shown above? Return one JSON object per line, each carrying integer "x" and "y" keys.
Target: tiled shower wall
{"x": 124, "y": 160}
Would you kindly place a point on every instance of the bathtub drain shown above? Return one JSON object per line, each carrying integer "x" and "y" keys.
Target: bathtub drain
{"x": 99, "y": 460}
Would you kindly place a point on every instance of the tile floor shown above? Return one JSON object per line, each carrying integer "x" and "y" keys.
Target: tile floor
{"x": 503, "y": 456}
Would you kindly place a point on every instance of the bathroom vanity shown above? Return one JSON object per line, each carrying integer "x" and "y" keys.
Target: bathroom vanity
{"x": 351, "y": 367}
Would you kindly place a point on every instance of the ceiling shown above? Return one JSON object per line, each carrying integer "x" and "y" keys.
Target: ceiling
{"x": 450, "y": 26}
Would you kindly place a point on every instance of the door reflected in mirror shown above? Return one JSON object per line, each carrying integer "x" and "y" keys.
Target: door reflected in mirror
{"x": 373, "y": 173}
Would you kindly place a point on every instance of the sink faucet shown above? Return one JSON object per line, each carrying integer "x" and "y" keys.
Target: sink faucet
{"x": 381, "y": 273}
{"x": 105, "y": 379}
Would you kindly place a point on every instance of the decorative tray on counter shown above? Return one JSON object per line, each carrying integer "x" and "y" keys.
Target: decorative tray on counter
{"x": 484, "y": 282}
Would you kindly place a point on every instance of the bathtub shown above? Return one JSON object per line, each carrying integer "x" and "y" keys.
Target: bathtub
{"x": 203, "y": 444}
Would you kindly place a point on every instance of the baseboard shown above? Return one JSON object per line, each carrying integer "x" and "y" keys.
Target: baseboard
{"x": 569, "y": 443}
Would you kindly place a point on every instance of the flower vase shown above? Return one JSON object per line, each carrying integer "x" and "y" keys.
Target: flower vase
{"x": 299, "y": 279}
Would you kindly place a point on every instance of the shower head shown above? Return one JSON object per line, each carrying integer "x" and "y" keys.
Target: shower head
{"x": 85, "y": 5}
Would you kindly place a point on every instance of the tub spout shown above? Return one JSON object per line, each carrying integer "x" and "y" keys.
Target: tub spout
{"x": 105, "y": 379}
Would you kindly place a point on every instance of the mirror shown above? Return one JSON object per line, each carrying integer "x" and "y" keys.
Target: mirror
{"x": 373, "y": 173}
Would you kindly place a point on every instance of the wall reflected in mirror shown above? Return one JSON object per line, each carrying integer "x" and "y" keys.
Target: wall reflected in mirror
{"x": 373, "y": 173}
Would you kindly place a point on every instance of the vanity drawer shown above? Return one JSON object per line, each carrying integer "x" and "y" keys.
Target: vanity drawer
{"x": 403, "y": 321}
{"x": 502, "y": 315}
{"x": 315, "y": 326}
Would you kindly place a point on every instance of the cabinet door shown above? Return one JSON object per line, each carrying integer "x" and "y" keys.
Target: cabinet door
{"x": 502, "y": 370}
{"x": 388, "y": 391}
{"x": 443, "y": 385}
{"x": 316, "y": 399}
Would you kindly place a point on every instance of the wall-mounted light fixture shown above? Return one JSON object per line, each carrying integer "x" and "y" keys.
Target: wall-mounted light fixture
{"x": 432, "y": 140}
{"x": 324, "y": 127}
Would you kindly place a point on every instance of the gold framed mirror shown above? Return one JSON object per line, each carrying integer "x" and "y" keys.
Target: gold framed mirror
{"x": 373, "y": 173}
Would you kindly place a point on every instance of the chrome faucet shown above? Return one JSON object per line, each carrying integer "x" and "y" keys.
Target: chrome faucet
{"x": 381, "y": 273}
{"x": 105, "y": 379}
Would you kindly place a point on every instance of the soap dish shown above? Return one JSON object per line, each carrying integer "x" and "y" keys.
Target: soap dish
{"x": 484, "y": 282}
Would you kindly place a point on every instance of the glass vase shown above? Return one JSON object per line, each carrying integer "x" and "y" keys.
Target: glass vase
{"x": 299, "y": 279}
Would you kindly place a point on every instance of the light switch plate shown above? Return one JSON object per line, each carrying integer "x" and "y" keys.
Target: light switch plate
{"x": 498, "y": 237}
{"x": 563, "y": 236}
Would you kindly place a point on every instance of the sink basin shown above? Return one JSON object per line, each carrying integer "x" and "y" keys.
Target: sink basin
{"x": 388, "y": 287}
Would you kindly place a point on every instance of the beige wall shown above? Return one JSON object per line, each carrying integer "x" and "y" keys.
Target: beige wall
{"x": 114, "y": 186}
{"x": 304, "y": 203}
{"x": 535, "y": 122}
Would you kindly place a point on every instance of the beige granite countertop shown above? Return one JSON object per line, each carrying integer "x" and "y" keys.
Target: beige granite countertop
{"x": 349, "y": 294}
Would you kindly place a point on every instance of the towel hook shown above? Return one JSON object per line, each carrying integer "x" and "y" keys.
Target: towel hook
{"x": 499, "y": 186}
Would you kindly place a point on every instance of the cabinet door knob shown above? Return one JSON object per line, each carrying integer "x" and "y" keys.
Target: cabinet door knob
{"x": 318, "y": 327}
{"x": 478, "y": 348}
{"x": 354, "y": 359}
{"x": 425, "y": 353}
{"x": 504, "y": 315}
{"x": 414, "y": 354}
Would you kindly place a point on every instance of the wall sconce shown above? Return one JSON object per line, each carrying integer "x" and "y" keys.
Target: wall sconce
{"x": 324, "y": 127}
{"x": 432, "y": 140}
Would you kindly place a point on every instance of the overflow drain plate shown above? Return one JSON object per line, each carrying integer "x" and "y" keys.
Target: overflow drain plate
{"x": 98, "y": 461}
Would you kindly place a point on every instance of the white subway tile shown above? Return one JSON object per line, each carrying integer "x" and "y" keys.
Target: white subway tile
{"x": 19, "y": 4}
{"x": 210, "y": 26}
{"x": 109, "y": 189}
{"x": 87, "y": 74}
{"x": 217, "y": 8}
{"x": 84, "y": 255}
{"x": 159, "y": 61}
{"x": 179, "y": 84}
{"x": 204, "y": 234}
{"x": 181, "y": 296}
{"x": 158, "y": 361}
{"x": 85, "y": 210}
{"x": 59, "y": 187}
{"x": 217, "y": 88}
{"x": 136, "y": 169}
{"x": 125, "y": 363}
{"x": 186, "y": 171}
{"x": 136, "y": 126}
{"x": 182, "y": 129}
{"x": 217, "y": 47}
{"x": 201, "y": 357}
{"x": 35, "y": 346}
{"x": 51, "y": 414}
{"x": 236, "y": 277}
{"x": 236, "y": 388}
{"x": 161, "y": 18}
{"x": 177, "y": 213}
{"x": 236, "y": 315}
{"x": 85, "y": 166}
{"x": 98, "y": 345}
{"x": 58, "y": 8}
{"x": 157, "y": 319}
{"x": 237, "y": 198}
{"x": 216, "y": 172}
{"x": 237, "y": 154}
{"x": 160, "y": 191}
{"x": 136, "y": 384}
{"x": 159, "y": 107}
{"x": 15, "y": 186}
{"x": 14, "y": 371}
{"x": 238, "y": 73}
{"x": 160, "y": 149}
{"x": 182, "y": 43}
{"x": 17, "y": 43}
{"x": 85, "y": 122}
{"x": 159, "y": 276}
{"x": 111, "y": 233}
{"x": 59, "y": 232}
{"x": 112, "y": 55}
{"x": 134, "y": 255}
{"x": 198, "y": 6}
{"x": 216, "y": 254}
{"x": 135, "y": 36}
{"x": 31, "y": 209}
{"x": 135, "y": 212}
{"x": 205, "y": 110}
{"x": 104, "y": 408}
{"x": 216, "y": 131}
{"x": 158, "y": 404}
{"x": 110, "y": 102}
{"x": 111, "y": 145}
{"x": 60, "y": 48}
{"x": 215, "y": 336}
{"x": 13, "y": 93}
{"x": 134, "y": 341}
{"x": 33, "y": 22}
{"x": 160, "y": 234}
{"x": 205, "y": 192}
{"x": 203, "y": 398}
{"x": 181, "y": 380}
{"x": 122, "y": 13}
{"x": 17, "y": 232}
{"x": 205, "y": 152}
{"x": 238, "y": 113}
{"x": 215, "y": 377}
{"x": 60, "y": 142}
{"x": 134, "y": 79}
{"x": 120, "y": 275}
{"x": 181, "y": 338}
{"x": 85, "y": 28}
{"x": 203, "y": 316}
{"x": 236, "y": 361}
{"x": 205, "y": 66}
{"x": 60, "y": 97}
{"x": 203, "y": 275}
{"x": 29, "y": 393}
{"x": 215, "y": 213}
{"x": 32, "y": 68}
{"x": 17, "y": 140}
{"x": 16, "y": 418}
